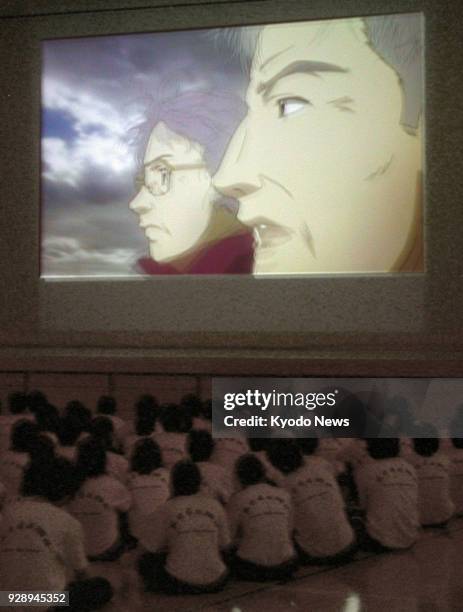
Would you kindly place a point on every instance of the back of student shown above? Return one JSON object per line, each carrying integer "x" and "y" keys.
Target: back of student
{"x": 261, "y": 525}
{"x": 193, "y": 530}
{"x": 433, "y": 471}
{"x": 388, "y": 492}
{"x": 322, "y": 531}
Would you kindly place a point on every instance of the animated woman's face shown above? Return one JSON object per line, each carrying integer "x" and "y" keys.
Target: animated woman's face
{"x": 323, "y": 170}
{"x": 174, "y": 202}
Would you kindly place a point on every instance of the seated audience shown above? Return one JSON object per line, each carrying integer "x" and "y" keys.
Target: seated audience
{"x": 185, "y": 545}
{"x": 42, "y": 548}
{"x": 13, "y": 461}
{"x": 388, "y": 493}
{"x": 172, "y": 441}
{"x": 117, "y": 465}
{"x": 107, "y": 406}
{"x": 261, "y": 525}
{"x": 215, "y": 480}
{"x": 433, "y": 471}
{"x": 98, "y": 502}
{"x": 148, "y": 485}
{"x": 321, "y": 530}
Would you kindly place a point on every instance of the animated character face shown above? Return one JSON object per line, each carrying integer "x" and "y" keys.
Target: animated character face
{"x": 322, "y": 168}
{"x": 174, "y": 198}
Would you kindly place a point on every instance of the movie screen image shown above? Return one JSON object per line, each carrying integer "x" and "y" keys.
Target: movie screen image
{"x": 290, "y": 149}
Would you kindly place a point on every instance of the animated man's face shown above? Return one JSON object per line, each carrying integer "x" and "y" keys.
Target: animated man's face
{"x": 323, "y": 171}
{"x": 174, "y": 199}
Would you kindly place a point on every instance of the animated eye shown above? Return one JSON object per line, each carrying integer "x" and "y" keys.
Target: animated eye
{"x": 291, "y": 106}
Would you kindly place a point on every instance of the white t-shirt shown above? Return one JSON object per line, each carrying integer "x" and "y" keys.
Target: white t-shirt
{"x": 388, "y": 491}
{"x": 117, "y": 466}
{"x": 148, "y": 492}
{"x": 261, "y": 524}
{"x": 120, "y": 427}
{"x": 329, "y": 449}
{"x": 41, "y": 547}
{"x": 12, "y": 467}
{"x": 321, "y": 525}
{"x": 172, "y": 445}
{"x": 96, "y": 506}
{"x": 193, "y": 529}
{"x": 434, "y": 502}
{"x": 228, "y": 450}
{"x": 215, "y": 481}
{"x": 455, "y": 456}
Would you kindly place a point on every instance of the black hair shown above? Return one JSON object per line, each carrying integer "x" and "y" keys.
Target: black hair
{"x": 145, "y": 423}
{"x": 308, "y": 446}
{"x": 47, "y": 418}
{"x": 106, "y": 405}
{"x": 102, "y": 429}
{"x": 17, "y": 402}
{"x": 91, "y": 459}
{"x": 426, "y": 442}
{"x": 54, "y": 481}
{"x": 185, "y": 478}
{"x": 69, "y": 431}
{"x": 249, "y": 470}
{"x": 206, "y": 410}
{"x": 23, "y": 435}
{"x": 146, "y": 456}
{"x": 285, "y": 455}
{"x": 36, "y": 399}
{"x": 192, "y": 403}
{"x": 258, "y": 444}
{"x": 42, "y": 449}
{"x": 175, "y": 419}
{"x": 147, "y": 411}
{"x": 457, "y": 442}
{"x": 200, "y": 445}
{"x": 81, "y": 415}
{"x": 383, "y": 448}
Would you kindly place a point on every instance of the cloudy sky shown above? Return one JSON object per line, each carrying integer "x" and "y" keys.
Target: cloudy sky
{"x": 95, "y": 92}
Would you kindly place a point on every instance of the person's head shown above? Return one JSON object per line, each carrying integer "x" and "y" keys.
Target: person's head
{"x": 206, "y": 409}
{"x": 17, "y": 402}
{"x": 55, "y": 481}
{"x": 175, "y": 419}
{"x": 147, "y": 405}
{"x": 23, "y": 435}
{"x": 200, "y": 445}
{"x": 79, "y": 413}
{"x": 47, "y": 418}
{"x": 249, "y": 470}
{"x": 192, "y": 403}
{"x": 308, "y": 446}
{"x": 426, "y": 442}
{"x": 383, "y": 448}
{"x": 69, "y": 431}
{"x": 146, "y": 456}
{"x": 102, "y": 429}
{"x": 106, "y": 405}
{"x": 144, "y": 424}
{"x": 36, "y": 399}
{"x": 457, "y": 442}
{"x": 326, "y": 163}
{"x": 174, "y": 201}
{"x": 285, "y": 455}
{"x": 185, "y": 478}
{"x": 258, "y": 444}
{"x": 91, "y": 458}
{"x": 42, "y": 449}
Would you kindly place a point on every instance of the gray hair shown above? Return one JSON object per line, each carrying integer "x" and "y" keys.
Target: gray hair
{"x": 397, "y": 39}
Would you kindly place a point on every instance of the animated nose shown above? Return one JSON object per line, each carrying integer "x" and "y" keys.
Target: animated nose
{"x": 142, "y": 202}
{"x": 236, "y": 176}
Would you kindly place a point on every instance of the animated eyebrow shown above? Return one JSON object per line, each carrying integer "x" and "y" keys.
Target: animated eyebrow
{"x": 298, "y": 67}
{"x": 160, "y": 158}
